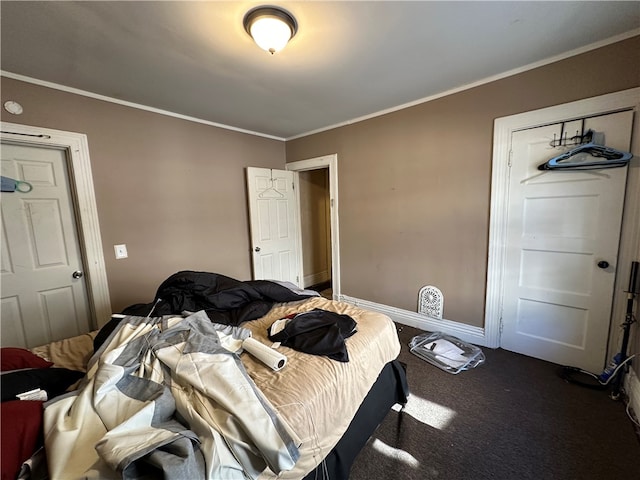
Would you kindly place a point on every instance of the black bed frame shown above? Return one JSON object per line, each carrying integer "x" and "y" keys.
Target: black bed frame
{"x": 390, "y": 388}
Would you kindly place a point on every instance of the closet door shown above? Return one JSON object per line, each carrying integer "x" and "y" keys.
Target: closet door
{"x": 44, "y": 296}
{"x": 562, "y": 247}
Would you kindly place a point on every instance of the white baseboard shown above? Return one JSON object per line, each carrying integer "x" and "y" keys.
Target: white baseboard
{"x": 632, "y": 387}
{"x": 464, "y": 332}
{"x": 467, "y": 333}
{"x": 316, "y": 278}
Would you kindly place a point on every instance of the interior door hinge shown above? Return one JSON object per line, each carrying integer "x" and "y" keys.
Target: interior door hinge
{"x": 510, "y": 157}
{"x": 501, "y": 325}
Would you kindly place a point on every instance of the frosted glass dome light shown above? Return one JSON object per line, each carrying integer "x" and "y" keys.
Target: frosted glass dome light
{"x": 271, "y": 28}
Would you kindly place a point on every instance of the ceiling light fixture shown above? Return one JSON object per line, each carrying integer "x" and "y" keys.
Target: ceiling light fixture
{"x": 270, "y": 27}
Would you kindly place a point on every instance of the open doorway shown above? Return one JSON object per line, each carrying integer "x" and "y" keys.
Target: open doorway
{"x": 317, "y": 188}
{"x": 315, "y": 230}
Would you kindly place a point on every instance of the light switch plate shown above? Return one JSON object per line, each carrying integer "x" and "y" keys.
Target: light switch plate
{"x": 121, "y": 251}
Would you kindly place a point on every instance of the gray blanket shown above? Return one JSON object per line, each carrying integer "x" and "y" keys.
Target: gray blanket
{"x": 167, "y": 397}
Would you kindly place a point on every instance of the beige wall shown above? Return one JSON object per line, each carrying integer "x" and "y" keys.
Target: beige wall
{"x": 173, "y": 191}
{"x": 415, "y": 184}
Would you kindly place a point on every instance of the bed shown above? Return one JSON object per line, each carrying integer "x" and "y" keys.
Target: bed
{"x": 320, "y": 411}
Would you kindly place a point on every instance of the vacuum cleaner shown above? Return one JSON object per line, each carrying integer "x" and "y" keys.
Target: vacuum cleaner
{"x": 613, "y": 373}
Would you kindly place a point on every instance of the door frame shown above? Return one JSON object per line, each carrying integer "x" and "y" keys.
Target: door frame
{"x": 76, "y": 148}
{"x": 630, "y": 234}
{"x": 330, "y": 162}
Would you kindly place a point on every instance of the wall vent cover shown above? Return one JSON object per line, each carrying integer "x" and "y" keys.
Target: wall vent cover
{"x": 430, "y": 302}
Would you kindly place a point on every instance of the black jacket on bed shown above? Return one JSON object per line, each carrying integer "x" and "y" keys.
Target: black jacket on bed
{"x": 318, "y": 332}
{"x": 224, "y": 299}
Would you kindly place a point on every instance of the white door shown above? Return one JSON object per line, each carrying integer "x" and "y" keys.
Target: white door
{"x": 43, "y": 288}
{"x": 274, "y": 234}
{"x": 562, "y": 226}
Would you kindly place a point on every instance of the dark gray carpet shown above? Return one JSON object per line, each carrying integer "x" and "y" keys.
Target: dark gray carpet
{"x": 510, "y": 418}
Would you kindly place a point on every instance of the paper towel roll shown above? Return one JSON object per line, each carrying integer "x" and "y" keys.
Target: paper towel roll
{"x": 267, "y": 355}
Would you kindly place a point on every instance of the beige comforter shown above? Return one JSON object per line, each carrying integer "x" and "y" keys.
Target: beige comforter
{"x": 316, "y": 397}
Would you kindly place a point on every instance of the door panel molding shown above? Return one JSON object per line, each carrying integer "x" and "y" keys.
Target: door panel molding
{"x": 503, "y": 130}
{"x": 76, "y": 148}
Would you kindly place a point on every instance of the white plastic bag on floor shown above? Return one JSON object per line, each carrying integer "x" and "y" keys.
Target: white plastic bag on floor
{"x": 446, "y": 352}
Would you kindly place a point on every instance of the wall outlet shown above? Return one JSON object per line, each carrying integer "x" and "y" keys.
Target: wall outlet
{"x": 121, "y": 251}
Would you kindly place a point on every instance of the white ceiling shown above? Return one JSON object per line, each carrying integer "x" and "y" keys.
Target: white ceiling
{"x": 349, "y": 60}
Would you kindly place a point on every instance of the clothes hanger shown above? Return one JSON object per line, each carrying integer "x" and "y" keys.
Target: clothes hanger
{"x": 588, "y": 156}
{"x": 271, "y": 189}
{"x": 12, "y": 185}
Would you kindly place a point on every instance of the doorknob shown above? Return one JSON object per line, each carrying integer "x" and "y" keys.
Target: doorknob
{"x": 257, "y": 249}
{"x": 603, "y": 264}
{"x": 77, "y": 274}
